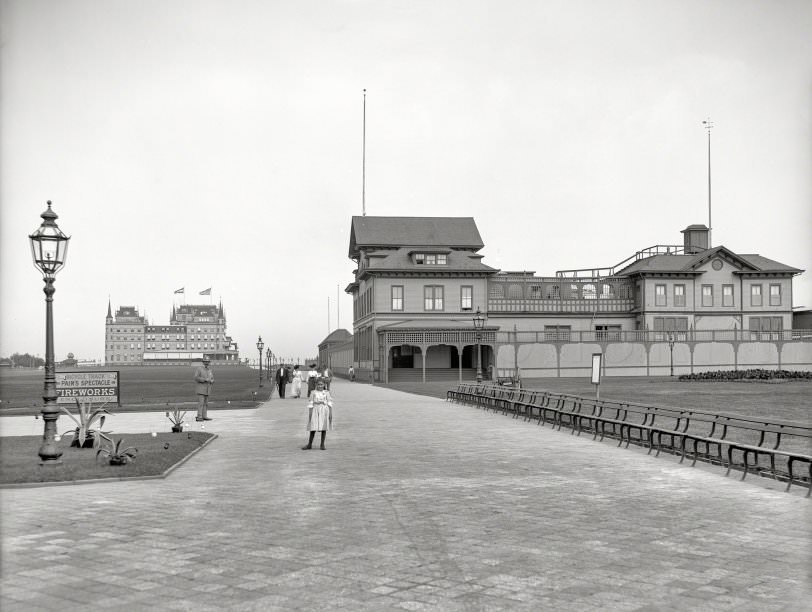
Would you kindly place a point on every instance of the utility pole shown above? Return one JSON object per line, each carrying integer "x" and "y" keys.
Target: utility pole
{"x": 364, "y": 161}
{"x": 709, "y": 126}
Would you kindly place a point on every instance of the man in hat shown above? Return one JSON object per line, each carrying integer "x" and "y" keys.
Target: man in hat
{"x": 204, "y": 379}
{"x": 282, "y": 378}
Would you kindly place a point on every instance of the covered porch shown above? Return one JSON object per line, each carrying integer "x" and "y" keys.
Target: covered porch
{"x": 435, "y": 350}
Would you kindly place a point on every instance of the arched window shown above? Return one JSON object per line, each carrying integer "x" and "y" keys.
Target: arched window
{"x": 515, "y": 292}
{"x": 589, "y": 291}
{"x": 496, "y": 291}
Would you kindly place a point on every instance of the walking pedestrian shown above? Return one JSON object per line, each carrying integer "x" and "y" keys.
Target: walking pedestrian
{"x": 327, "y": 375}
{"x": 281, "y": 378}
{"x": 312, "y": 375}
{"x": 319, "y": 414}
{"x": 297, "y": 381}
{"x": 204, "y": 379}
{"x": 351, "y": 373}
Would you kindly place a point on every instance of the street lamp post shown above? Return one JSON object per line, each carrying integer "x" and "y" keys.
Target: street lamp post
{"x": 260, "y": 346}
{"x": 49, "y": 248}
{"x": 671, "y": 348}
{"x": 268, "y": 363}
{"x": 479, "y": 323}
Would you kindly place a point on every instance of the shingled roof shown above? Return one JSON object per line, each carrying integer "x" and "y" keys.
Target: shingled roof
{"x": 690, "y": 263}
{"x": 400, "y": 260}
{"x": 451, "y": 232}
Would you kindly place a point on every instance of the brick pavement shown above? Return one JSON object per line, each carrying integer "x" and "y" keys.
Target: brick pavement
{"x": 415, "y": 505}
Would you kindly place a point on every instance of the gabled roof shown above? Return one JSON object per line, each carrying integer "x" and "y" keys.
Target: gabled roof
{"x": 400, "y": 260}
{"x": 450, "y": 232}
{"x": 689, "y": 264}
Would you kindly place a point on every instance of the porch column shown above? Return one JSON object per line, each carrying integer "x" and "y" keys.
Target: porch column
{"x": 424, "y": 351}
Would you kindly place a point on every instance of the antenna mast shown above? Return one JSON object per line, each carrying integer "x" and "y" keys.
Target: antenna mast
{"x": 709, "y": 126}
{"x": 364, "y": 162}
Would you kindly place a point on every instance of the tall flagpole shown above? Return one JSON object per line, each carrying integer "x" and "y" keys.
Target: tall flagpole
{"x": 709, "y": 126}
{"x": 364, "y": 162}
{"x": 328, "y": 315}
{"x": 338, "y": 308}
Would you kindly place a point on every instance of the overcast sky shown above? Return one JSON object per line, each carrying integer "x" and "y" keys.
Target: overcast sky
{"x": 217, "y": 144}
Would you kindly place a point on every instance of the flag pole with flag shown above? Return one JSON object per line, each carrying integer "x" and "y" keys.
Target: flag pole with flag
{"x": 182, "y": 291}
{"x": 207, "y": 292}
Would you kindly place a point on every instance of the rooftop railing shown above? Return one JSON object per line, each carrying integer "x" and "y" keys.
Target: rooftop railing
{"x": 598, "y": 273}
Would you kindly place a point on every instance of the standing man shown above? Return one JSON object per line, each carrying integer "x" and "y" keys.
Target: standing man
{"x": 327, "y": 374}
{"x": 204, "y": 379}
{"x": 351, "y": 372}
{"x": 281, "y": 378}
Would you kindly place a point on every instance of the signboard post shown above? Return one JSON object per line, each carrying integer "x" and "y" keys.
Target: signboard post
{"x": 596, "y": 373}
{"x": 94, "y": 387}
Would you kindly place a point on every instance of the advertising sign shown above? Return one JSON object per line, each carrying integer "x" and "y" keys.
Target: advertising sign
{"x": 95, "y": 387}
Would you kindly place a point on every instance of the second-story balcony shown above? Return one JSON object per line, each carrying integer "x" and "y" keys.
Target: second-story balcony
{"x": 516, "y": 292}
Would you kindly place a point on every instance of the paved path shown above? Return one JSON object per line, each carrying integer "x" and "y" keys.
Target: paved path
{"x": 416, "y": 504}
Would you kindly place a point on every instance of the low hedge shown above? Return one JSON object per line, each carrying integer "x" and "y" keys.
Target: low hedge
{"x": 752, "y": 374}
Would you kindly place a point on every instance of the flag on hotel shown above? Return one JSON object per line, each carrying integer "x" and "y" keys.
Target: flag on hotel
{"x": 181, "y": 290}
{"x": 206, "y": 291}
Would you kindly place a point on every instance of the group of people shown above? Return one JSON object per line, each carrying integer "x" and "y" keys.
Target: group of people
{"x": 319, "y": 405}
{"x": 285, "y": 375}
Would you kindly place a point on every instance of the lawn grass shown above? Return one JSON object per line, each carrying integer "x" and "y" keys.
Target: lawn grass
{"x": 788, "y": 401}
{"x": 778, "y": 401}
{"x": 156, "y": 455}
{"x": 143, "y": 388}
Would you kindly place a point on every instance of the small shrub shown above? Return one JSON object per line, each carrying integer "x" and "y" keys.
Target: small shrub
{"x": 84, "y": 419}
{"x": 176, "y": 417}
{"x": 117, "y": 455}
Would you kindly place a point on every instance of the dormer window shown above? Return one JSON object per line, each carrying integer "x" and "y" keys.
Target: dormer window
{"x": 431, "y": 259}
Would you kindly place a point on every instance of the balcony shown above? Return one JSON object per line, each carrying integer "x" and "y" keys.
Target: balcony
{"x": 498, "y": 306}
{"x": 513, "y": 293}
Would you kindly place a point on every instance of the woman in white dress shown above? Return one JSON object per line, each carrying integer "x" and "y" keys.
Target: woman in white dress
{"x": 319, "y": 414}
{"x": 297, "y": 382}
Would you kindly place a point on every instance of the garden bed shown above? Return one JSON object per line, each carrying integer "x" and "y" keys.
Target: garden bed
{"x": 156, "y": 458}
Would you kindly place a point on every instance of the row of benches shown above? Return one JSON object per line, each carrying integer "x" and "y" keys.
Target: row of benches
{"x": 691, "y": 433}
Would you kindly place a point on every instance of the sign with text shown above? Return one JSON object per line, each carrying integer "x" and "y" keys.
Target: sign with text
{"x": 596, "y": 368}
{"x": 94, "y": 387}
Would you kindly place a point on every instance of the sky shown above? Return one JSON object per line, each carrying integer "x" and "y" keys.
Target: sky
{"x": 218, "y": 143}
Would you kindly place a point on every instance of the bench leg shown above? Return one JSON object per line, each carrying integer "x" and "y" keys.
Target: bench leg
{"x": 730, "y": 460}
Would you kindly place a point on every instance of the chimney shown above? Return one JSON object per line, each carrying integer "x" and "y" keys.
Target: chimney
{"x": 695, "y": 239}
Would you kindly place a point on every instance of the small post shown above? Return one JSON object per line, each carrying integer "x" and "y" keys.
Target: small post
{"x": 671, "y": 348}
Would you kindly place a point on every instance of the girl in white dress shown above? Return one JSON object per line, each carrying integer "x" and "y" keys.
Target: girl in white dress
{"x": 319, "y": 414}
{"x": 297, "y": 381}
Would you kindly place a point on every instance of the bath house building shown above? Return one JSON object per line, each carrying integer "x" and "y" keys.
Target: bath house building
{"x": 419, "y": 281}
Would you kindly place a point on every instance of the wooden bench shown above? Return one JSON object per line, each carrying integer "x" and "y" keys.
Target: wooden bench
{"x": 712, "y": 437}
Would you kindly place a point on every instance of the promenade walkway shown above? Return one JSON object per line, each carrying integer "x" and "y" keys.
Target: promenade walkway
{"x": 416, "y": 504}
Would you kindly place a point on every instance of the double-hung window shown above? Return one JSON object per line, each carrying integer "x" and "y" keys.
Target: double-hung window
{"x": 727, "y": 295}
{"x": 433, "y": 297}
{"x": 775, "y": 295}
{"x": 397, "y": 297}
{"x": 466, "y": 297}
{"x": 679, "y": 295}
{"x": 755, "y": 295}
{"x": 707, "y": 295}
{"x": 659, "y": 295}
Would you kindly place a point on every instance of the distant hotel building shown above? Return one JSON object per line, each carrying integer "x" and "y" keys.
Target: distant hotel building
{"x": 419, "y": 281}
{"x": 194, "y": 331}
